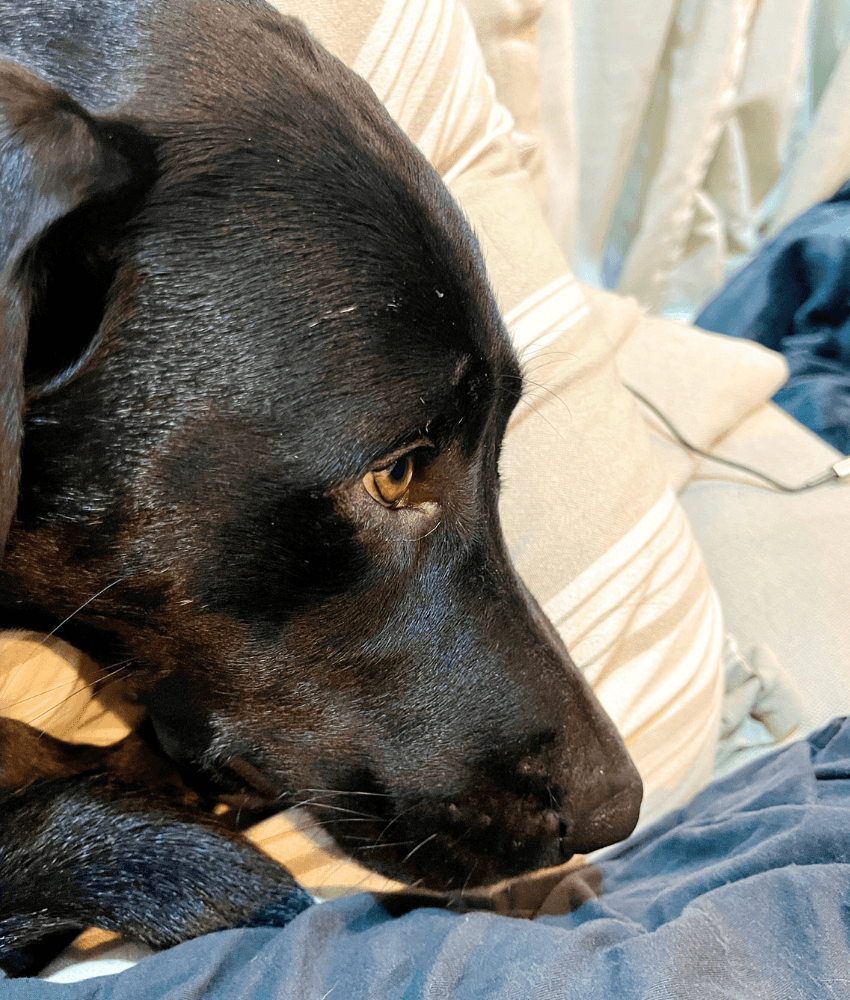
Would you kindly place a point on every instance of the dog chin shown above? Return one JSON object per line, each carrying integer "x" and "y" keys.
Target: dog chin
{"x": 446, "y": 860}
{"x": 471, "y": 839}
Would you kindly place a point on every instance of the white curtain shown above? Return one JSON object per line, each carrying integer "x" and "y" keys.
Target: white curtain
{"x": 681, "y": 133}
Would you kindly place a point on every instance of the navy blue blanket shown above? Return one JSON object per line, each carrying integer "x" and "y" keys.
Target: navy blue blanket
{"x": 795, "y": 297}
{"x": 743, "y": 894}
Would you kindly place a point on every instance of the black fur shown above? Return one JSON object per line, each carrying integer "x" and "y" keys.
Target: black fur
{"x": 231, "y": 291}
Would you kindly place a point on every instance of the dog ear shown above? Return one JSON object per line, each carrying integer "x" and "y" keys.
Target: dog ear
{"x": 67, "y": 181}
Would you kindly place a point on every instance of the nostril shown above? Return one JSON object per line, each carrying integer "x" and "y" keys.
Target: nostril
{"x": 612, "y": 820}
{"x": 565, "y": 837}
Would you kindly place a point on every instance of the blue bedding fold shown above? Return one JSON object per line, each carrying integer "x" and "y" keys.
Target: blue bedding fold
{"x": 745, "y": 893}
{"x": 795, "y": 298}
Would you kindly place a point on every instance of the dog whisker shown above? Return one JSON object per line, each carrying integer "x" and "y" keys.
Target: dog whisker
{"x": 337, "y": 791}
{"x": 529, "y": 384}
{"x": 544, "y": 388}
{"x": 80, "y": 608}
{"x": 350, "y": 837}
{"x": 535, "y": 410}
{"x": 322, "y": 823}
{"x": 99, "y": 684}
{"x": 532, "y": 404}
{"x": 376, "y": 847}
{"x": 541, "y": 359}
{"x": 397, "y": 817}
{"x": 45, "y": 691}
{"x": 309, "y": 828}
{"x": 22, "y": 663}
{"x": 468, "y": 877}
{"x": 530, "y": 354}
{"x": 421, "y": 843}
{"x": 327, "y": 805}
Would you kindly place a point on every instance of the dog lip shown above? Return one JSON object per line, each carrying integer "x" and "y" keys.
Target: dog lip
{"x": 242, "y": 800}
{"x": 252, "y": 777}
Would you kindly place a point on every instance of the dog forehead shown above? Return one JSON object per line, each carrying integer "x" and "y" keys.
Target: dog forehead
{"x": 286, "y": 182}
{"x": 374, "y": 313}
{"x": 298, "y": 261}
{"x": 325, "y": 238}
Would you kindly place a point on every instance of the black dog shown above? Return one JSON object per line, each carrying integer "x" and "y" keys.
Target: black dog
{"x": 254, "y": 387}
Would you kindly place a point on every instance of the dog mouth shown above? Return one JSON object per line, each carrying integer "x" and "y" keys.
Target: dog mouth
{"x": 428, "y": 842}
{"x": 475, "y": 841}
{"x": 458, "y": 855}
{"x": 232, "y": 780}
{"x": 251, "y": 790}
{"x": 445, "y": 842}
{"x": 501, "y": 815}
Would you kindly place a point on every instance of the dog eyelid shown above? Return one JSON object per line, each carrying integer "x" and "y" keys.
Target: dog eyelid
{"x": 414, "y": 448}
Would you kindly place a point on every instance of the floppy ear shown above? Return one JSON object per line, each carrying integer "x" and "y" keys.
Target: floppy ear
{"x": 67, "y": 182}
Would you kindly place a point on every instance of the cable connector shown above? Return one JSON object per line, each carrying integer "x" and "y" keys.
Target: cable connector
{"x": 842, "y": 467}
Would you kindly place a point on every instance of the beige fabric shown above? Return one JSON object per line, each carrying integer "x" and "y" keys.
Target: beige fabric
{"x": 704, "y": 383}
{"x": 294, "y": 839}
{"x": 699, "y": 127}
{"x": 578, "y": 470}
{"x": 779, "y": 562}
{"x": 608, "y": 553}
{"x": 643, "y": 623}
{"x": 824, "y": 164}
{"x": 506, "y": 33}
{"x": 590, "y": 518}
{"x": 50, "y": 685}
{"x": 555, "y": 43}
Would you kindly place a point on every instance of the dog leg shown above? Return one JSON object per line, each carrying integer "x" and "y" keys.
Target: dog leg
{"x": 99, "y": 849}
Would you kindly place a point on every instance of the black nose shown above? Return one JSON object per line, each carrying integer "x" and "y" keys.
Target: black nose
{"x": 613, "y": 817}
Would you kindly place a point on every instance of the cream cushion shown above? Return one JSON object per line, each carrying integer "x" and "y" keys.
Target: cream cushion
{"x": 704, "y": 383}
{"x": 780, "y": 561}
{"x": 52, "y": 686}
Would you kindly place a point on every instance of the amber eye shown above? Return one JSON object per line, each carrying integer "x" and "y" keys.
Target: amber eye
{"x": 389, "y": 485}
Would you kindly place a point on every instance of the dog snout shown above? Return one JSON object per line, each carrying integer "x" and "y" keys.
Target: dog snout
{"x": 614, "y": 816}
{"x": 485, "y": 829}
{"x": 598, "y": 787}
{"x": 587, "y": 792}
{"x": 598, "y": 784}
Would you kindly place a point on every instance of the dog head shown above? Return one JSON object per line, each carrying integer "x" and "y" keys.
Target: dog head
{"x": 261, "y": 385}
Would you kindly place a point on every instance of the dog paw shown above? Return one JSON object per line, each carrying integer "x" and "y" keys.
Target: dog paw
{"x": 93, "y": 852}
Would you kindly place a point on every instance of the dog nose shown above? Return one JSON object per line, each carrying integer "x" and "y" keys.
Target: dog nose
{"x": 612, "y": 819}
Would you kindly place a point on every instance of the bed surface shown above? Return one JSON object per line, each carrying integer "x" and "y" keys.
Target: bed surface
{"x": 741, "y": 893}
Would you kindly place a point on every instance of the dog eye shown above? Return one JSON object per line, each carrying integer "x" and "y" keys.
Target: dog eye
{"x": 389, "y": 485}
